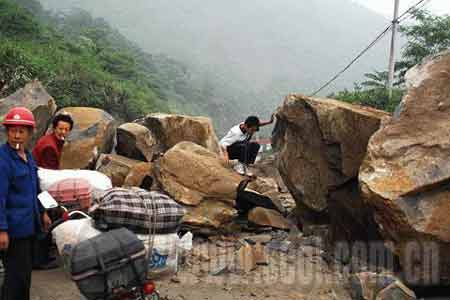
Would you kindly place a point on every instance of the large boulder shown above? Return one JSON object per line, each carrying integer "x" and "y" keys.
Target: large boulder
{"x": 190, "y": 174}
{"x": 320, "y": 145}
{"x": 263, "y": 185}
{"x": 269, "y": 183}
{"x": 268, "y": 187}
{"x": 199, "y": 178}
{"x": 136, "y": 141}
{"x": 116, "y": 167}
{"x": 406, "y": 173}
{"x": 268, "y": 217}
{"x": 140, "y": 175}
{"x": 267, "y": 168}
{"x": 210, "y": 214}
{"x": 93, "y": 133}
{"x": 169, "y": 130}
{"x": 34, "y": 97}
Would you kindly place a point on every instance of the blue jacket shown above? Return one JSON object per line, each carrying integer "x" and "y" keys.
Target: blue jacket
{"x": 20, "y": 210}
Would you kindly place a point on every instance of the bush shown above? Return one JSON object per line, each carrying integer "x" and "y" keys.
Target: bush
{"x": 376, "y": 98}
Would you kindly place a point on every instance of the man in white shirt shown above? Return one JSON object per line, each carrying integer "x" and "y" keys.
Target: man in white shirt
{"x": 236, "y": 143}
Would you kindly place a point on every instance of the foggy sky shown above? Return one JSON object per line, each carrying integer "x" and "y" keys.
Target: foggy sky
{"x": 386, "y": 7}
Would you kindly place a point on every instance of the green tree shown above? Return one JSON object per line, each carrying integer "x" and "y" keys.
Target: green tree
{"x": 17, "y": 23}
{"x": 372, "y": 92}
{"x": 430, "y": 34}
{"x": 376, "y": 80}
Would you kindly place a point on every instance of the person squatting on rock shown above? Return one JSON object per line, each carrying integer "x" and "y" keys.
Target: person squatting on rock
{"x": 236, "y": 143}
{"x": 47, "y": 154}
{"x": 22, "y": 217}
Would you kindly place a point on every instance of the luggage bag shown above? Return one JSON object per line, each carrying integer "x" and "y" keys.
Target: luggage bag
{"x": 138, "y": 210}
{"x": 72, "y": 193}
{"x": 109, "y": 261}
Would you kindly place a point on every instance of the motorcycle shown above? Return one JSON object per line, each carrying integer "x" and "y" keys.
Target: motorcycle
{"x": 145, "y": 291}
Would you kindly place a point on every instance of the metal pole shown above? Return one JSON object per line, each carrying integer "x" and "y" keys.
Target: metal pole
{"x": 392, "y": 54}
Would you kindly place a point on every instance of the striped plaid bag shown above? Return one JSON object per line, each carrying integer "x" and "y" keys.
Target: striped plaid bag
{"x": 138, "y": 210}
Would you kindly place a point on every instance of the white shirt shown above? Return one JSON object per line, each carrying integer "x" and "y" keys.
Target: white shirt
{"x": 234, "y": 135}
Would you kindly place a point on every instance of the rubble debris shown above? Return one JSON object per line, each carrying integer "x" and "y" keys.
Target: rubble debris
{"x": 261, "y": 257}
{"x": 260, "y": 238}
{"x": 246, "y": 258}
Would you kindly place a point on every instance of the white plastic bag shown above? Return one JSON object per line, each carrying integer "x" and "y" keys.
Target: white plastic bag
{"x": 97, "y": 180}
{"x": 167, "y": 249}
{"x": 185, "y": 243}
{"x": 164, "y": 257}
{"x": 70, "y": 233}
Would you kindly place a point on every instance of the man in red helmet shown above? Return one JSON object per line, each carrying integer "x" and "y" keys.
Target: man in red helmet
{"x": 21, "y": 214}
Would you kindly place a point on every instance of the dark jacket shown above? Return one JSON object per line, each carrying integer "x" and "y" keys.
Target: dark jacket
{"x": 20, "y": 210}
{"x": 47, "y": 152}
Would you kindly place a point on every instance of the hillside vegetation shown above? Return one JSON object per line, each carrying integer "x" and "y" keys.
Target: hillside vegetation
{"x": 83, "y": 61}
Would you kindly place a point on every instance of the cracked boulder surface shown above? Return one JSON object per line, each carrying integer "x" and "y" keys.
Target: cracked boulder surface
{"x": 92, "y": 134}
{"x": 34, "y": 97}
{"x": 191, "y": 174}
{"x": 320, "y": 144}
{"x": 168, "y": 130}
{"x": 406, "y": 174}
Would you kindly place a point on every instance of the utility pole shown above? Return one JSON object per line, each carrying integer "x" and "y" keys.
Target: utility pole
{"x": 392, "y": 54}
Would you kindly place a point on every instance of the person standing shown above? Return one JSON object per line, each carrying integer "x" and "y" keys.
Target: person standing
{"x": 48, "y": 149}
{"x": 236, "y": 144}
{"x": 21, "y": 214}
{"x": 47, "y": 154}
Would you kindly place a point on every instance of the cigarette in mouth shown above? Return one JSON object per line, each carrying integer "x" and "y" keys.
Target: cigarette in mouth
{"x": 17, "y": 146}
{"x": 63, "y": 138}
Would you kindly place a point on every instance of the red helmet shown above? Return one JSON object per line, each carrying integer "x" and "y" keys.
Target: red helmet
{"x": 19, "y": 116}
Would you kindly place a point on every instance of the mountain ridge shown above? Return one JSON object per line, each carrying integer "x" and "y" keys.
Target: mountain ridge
{"x": 250, "y": 55}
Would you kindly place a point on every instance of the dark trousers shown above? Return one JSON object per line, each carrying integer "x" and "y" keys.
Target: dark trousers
{"x": 245, "y": 152}
{"x": 43, "y": 244}
{"x": 247, "y": 200}
{"x": 18, "y": 262}
{"x": 41, "y": 251}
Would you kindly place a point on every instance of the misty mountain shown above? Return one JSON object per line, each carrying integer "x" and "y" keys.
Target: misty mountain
{"x": 248, "y": 54}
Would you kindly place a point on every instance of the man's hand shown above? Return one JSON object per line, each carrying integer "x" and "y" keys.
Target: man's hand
{"x": 46, "y": 222}
{"x": 4, "y": 240}
{"x": 272, "y": 118}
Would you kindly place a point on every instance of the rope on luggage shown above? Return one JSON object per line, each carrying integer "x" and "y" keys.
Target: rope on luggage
{"x": 151, "y": 226}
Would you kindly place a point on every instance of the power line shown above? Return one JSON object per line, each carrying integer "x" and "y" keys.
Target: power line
{"x": 400, "y": 19}
{"x": 409, "y": 13}
{"x": 410, "y": 10}
{"x": 379, "y": 37}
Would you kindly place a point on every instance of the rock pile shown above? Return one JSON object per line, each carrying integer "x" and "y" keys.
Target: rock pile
{"x": 174, "y": 153}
